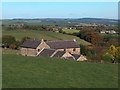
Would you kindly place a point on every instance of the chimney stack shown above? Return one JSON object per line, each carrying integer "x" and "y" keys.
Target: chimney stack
{"x": 74, "y": 40}
{"x": 42, "y": 40}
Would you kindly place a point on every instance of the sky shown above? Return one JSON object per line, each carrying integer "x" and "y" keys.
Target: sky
{"x": 59, "y": 10}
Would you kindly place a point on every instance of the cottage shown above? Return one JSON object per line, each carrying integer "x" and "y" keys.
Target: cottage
{"x": 70, "y": 46}
{"x": 108, "y": 32}
{"x": 103, "y": 32}
{"x": 112, "y": 32}
{"x": 67, "y": 49}
{"x": 32, "y": 47}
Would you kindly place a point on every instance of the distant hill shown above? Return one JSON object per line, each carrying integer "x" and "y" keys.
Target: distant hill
{"x": 99, "y": 20}
{"x": 60, "y": 21}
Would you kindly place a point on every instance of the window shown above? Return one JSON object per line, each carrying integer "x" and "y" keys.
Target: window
{"x": 38, "y": 50}
{"x": 74, "y": 49}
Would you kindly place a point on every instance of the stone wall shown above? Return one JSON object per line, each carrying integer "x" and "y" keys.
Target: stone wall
{"x": 41, "y": 46}
{"x": 67, "y": 55}
{"x": 77, "y": 51}
{"x": 23, "y": 51}
{"x": 28, "y": 52}
{"x": 82, "y": 58}
{"x": 71, "y": 50}
{"x": 31, "y": 52}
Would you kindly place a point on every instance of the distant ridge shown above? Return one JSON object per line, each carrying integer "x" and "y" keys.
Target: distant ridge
{"x": 63, "y": 21}
{"x": 63, "y": 18}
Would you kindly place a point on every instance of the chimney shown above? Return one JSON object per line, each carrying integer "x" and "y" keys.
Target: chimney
{"x": 74, "y": 40}
{"x": 42, "y": 40}
{"x": 34, "y": 39}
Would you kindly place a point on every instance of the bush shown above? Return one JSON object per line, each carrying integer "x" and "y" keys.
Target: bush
{"x": 17, "y": 43}
{"x": 24, "y": 39}
{"x": 118, "y": 59}
{"x": 107, "y": 58}
{"x": 7, "y": 40}
{"x": 83, "y": 50}
{"x": 12, "y": 46}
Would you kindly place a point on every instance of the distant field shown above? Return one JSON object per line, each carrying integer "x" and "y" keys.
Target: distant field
{"x": 0, "y": 30}
{"x": 39, "y": 22}
{"x": 71, "y": 31}
{"x": 110, "y": 35}
{"x": 44, "y": 72}
{"x": 19, "y": 34}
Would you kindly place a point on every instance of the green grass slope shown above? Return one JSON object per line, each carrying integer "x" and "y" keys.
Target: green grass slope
{"x": 70, "y": 31}
{"x": 43, "y": 72}
{"x": 43, "y": 35}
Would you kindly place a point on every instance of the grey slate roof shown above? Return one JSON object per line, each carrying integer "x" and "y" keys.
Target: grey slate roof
{"x": 46, "y": 52}
{"x": 75, "y": 56}
{"x": 31, "y": 44}
{"x": 70, "y": 58}
{"x": 62, "y": 44}
{"x": 59, "y": 54}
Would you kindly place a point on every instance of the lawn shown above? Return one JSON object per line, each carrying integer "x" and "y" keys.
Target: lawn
{"x": 47, "y": 35}
{"x": 44, "y": 72}
{"x": 70, "y": 31}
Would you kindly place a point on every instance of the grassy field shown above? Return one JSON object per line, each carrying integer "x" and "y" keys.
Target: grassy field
{"x": 109, "y": 35}
{"x": 19, "y": 34}
{"x": 70, "y": 31}
{"x": 0, "y": 68}
{"x": 44, "y": 72}
{"x": 0, "y": 59}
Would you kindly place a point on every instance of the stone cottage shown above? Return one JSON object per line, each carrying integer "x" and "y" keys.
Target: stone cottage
{"x": 67, "y": 49}
{"x": 32, "y": 47}
{"x": 70, "y": 46}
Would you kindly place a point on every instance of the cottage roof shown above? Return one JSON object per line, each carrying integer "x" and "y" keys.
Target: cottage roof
{"x": 46, "y": 52}
{"x": 76, "y": 56}
{"x": 62, "y": 44}
{"x": 30, "y": 44}
{"x": 59, "y": 54}
{"x": 70, "y": 58}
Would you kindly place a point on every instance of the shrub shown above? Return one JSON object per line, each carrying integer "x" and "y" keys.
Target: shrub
{"x": 83, "y": 50}
{"x": 7, "y": 40}
{"x": 12, "y": 46}
{"x": 24, "y": 39}
{"x": 118, "y": 59}
{"x": 107, "y": 58}
{"x": 17, "y": 43}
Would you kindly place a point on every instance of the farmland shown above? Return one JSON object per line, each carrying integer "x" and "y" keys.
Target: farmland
{"x": 71, "y": 31}
{"x": 44, "y": 72}
{"x": 46, "y": 35}
{"x": 110, "y": 35}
